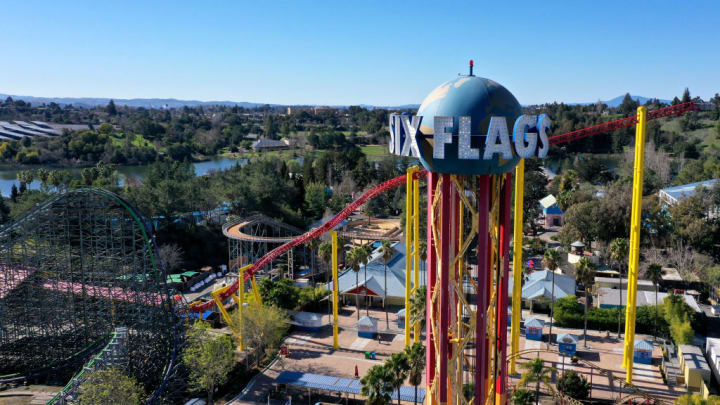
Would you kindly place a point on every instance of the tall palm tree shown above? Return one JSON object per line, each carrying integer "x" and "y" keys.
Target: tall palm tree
{"x": 415, "y": 355}
{"x": 387, "y": 252}
{"x": 353, "y": 261}
{"x": 423, "y": 257}
{"x": 376, "y": 386}
{"x": 535, "y": 372}
{"x": 417, "y": 306}
{"x": 655, "y": 274}
{"x": 551, "y": 261}
{"x": 585, "y": 273}
{"x": 618, "y": 254}
{"x": 325, "y": 254}
{"x": 398, "y": 369}
{"x": 313, "y": 245}
{"x": 364, "y": 253}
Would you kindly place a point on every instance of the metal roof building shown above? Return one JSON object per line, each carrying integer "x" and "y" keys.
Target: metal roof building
{"x": 539, "y": 285}
{"x": 373, "y": 283}
{"x": 672, "y": 195}
{"x": 340, "y": 384}
{"x": 609, "y": 297}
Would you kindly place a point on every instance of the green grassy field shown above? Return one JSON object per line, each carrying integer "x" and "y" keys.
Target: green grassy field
{"x": 375, "y": 151}
{"x": 706, "y": 134}
{"x": 138, "y": 140}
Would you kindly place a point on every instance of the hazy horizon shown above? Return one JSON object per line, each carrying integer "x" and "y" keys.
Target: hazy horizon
{"x": 327, "y": 53}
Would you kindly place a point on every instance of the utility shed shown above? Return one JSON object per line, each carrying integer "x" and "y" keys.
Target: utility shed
{"x": 643, "y": 352}
{"x": 695, "y": 369}
{"x": 534, "y": 328}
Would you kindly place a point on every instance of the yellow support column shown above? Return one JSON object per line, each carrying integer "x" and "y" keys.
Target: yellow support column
{"x": 416, "y": 247}
{"x": 333, "y": 234}
{"x": 241, "y": 301}
{"x": 635, "y": 225}
{"x": 255, "y": 290}
{"x": 408, "y": 248}
{"x": 517, "y": 263}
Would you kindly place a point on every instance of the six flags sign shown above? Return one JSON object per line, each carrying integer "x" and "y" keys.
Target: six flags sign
{"x": 454, "y": 142}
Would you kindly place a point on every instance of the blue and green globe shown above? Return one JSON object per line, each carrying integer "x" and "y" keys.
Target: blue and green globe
{"x": 478, "y": 98}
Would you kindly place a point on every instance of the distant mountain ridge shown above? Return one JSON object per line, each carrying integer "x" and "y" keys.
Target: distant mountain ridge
{"x": 88, "y": 102}
{"x": 615, "y": 102}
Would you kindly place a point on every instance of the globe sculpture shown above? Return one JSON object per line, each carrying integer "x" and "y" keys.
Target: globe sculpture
{"x": 479, "y": 99}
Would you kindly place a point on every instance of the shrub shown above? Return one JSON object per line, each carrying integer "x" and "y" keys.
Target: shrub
{"x": 570, "y": 314}
{"x": 574, "y": 385}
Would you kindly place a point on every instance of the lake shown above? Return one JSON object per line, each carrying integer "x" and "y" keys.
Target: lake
{"x": 9, "y": 177}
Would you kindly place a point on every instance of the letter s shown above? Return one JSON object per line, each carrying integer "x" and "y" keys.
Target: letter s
{"x": 543, "y": 124}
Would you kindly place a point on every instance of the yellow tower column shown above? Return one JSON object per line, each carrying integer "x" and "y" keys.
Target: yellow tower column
{"x": 416, "y": 246}
{"x": 333, "y": 235}
{"x": 635, "y": 225}
{"x": 517, "y": 263}
{"x": 408, "y": 248}
{"x": 241, "y": 302}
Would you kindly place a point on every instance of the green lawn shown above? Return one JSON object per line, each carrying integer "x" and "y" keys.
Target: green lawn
{"x": 375, "y": 151}
{"x": 706, "y": 134}
{"x": 138, "y": 140}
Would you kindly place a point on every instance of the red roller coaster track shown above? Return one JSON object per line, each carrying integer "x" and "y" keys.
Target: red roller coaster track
{"x": 308, "y": 236}
{"x": 678, "y": 109}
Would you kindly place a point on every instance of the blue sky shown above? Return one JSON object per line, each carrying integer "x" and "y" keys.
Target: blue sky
{"x": 359, "y": 52}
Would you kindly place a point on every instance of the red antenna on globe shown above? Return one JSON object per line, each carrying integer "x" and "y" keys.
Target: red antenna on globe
{"x": 471, "y": 67}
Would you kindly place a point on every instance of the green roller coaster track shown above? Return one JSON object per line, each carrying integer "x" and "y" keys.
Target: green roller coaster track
{"x": 71, "y": 270}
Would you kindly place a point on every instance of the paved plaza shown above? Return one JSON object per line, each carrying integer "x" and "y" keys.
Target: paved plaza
{"x": 312, "y": 352}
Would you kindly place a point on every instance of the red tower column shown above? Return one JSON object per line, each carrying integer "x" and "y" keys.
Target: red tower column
{"x": 481, "y": 347}
{"x": 444, "y": 312}
{"x": 431, "y": 275}
{"x": 505, "y": 231}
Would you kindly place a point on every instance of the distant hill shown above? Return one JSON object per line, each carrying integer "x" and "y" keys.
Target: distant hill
{"x": 88, "y": 102}
{"x": 642, "y": 100}
{"x": 133, "y": 102}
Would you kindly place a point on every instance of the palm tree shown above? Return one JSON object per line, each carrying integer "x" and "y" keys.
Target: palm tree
{"x": 376, "y": 386}
{"x": 364, "y": 253}
{"x": 655, "y": 274}
{"x": 325, "y": 253}
{"x": 522, "y": 397}
{"x": 387, "y": 252}
{"x": 313, "y": 245}
{"x": 415, "y": 355}
{"x": 423, "y": 257}
{"x": 585, "y": 273}
{"x": 618, "y": 254}
{"x": 551, "y": 260}
{"x": 417, "y": 307}
{"x": 535, "y": 372}
{"x": 353, "y": 261}
{"x": 398, "y": 369}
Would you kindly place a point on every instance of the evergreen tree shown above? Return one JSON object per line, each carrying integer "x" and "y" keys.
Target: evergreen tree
{"x": 110, "y": 108}
{"x": 14, "y": 193}
{"x": 4, "y": 211}
{"x": 686, "y": 96}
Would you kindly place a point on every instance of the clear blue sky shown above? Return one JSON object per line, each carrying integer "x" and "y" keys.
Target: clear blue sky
{"x": 357, "y": 52}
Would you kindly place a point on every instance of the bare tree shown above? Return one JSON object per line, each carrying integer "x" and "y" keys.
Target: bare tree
{"x": 689, "y": 263}
{"x": 171, "y": 255}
